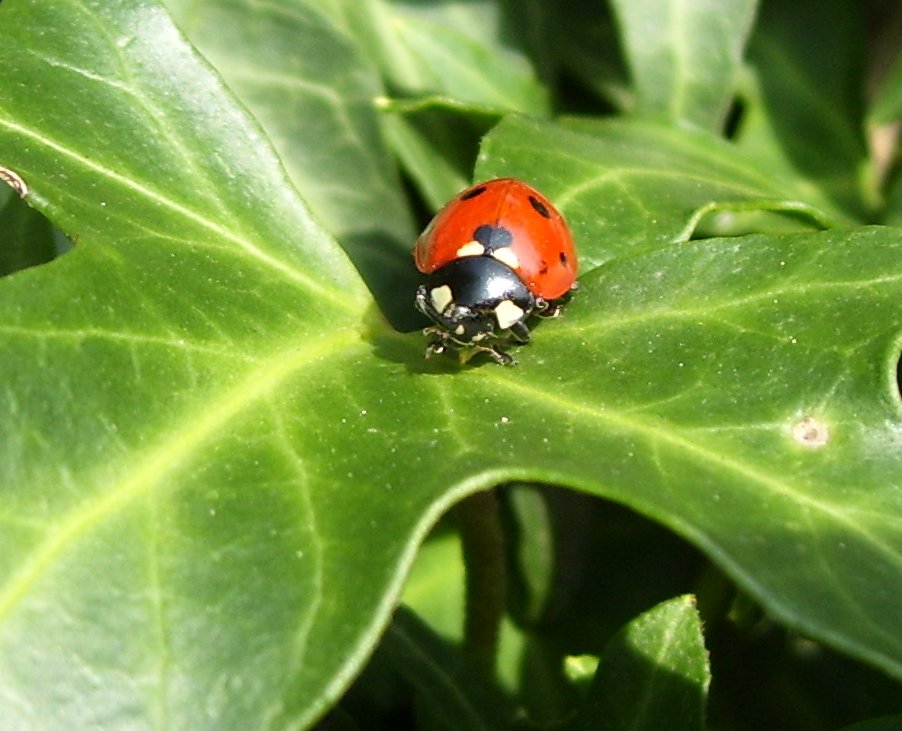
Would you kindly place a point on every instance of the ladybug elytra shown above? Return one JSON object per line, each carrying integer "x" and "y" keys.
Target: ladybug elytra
{"x": 496, "y": 254}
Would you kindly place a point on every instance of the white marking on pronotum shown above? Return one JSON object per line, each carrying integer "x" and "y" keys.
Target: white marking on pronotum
{"x": 811, "y": 432}
{"x": 507, "y": 313}
{"x": 441, "y": 297}
{"x": 471, "y": 248}
{"x": 507, "y": 256}
{"x": 14, "y": 180}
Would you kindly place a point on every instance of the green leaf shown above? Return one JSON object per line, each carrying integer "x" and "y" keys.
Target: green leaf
{"x": 157, "y": 566}
{"x": 584, "y": 38}
{"x": 806, "y": 105}
{"x": 26, "y": 237}
{"x": 319, "y": 109}
{"x": 880, "y": 724}
{"x": 200, "y": 193}
{"x": 887, "y": 107}
{"x": 216, "y": 464}
{"x": 654, "y": 674}
{"x": 436, "y": 140}
{"x": 801, "y": 482}
{"x": 684, "y": 57}
{"x": 471, "y": 52}
{"x": 434, "y": 589}
{"x": 456, "y": 698}
{"x": 529, "y": 535}
{"x": 671, "y": 358}
{"x": 571, "y": 580}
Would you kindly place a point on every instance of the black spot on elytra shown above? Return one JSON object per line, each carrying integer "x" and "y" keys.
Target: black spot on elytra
{"x": 539, "y": 207}
{"x": 472, "y": 193}
{"x": 493, "y": 238}
{"x": 563, "y": 257}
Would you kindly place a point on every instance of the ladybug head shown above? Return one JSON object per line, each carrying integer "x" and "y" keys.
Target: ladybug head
{"x": 475, "y": 298}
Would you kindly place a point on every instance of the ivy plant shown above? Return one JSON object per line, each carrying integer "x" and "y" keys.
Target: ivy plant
{"x": 234, "y": 494}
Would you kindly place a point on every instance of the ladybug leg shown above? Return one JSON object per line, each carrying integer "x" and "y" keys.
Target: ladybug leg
{"x": 552, "y": 309}
{"x": 499, "y": 356}
{"x": 544, "y": 308}
{"x": 439, "y": 342}
{"x": 436, "y": 348}
{"x": 442, "y": 341}
{"x": 520, "y": 333}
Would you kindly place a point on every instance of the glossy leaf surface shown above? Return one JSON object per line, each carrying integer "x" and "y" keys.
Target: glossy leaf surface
{"x": 654, "y": 674}
{"x": 684, "y": 58}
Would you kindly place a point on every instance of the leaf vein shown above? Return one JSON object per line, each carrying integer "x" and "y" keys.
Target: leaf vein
{"x": 250, "y": 248}
{"x": 166, "y": 458}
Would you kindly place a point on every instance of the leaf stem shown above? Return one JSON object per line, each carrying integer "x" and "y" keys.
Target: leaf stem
{"x": 482, "y": 542}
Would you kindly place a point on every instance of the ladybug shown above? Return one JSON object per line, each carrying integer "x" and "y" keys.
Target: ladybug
{"x": 496, "y": 254}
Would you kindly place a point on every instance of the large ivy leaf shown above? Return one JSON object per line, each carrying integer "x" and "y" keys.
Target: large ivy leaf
{"x": 684, "y": 58}
{"x": 216, "y": 464}
{"x": 153, "y": 567}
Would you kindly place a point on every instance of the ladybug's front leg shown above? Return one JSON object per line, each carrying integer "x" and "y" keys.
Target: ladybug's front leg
{"x": 546, "y": 309}
{"x": 520, "y": 333}
{"x": 439, "y": 342}
{"x": 498, "y": 355}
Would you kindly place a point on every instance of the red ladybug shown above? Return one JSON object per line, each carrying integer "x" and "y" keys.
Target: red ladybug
{"x": 495, "y": 254}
